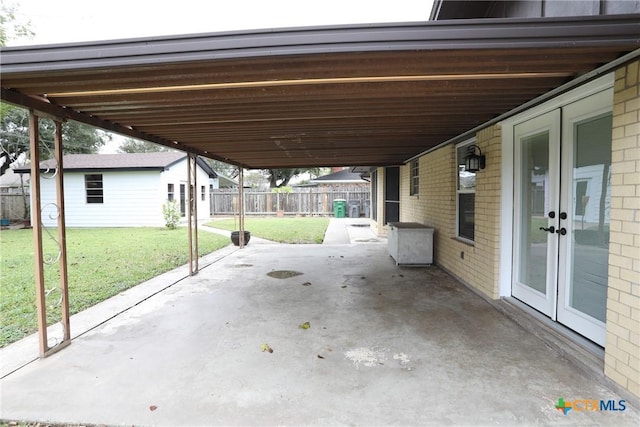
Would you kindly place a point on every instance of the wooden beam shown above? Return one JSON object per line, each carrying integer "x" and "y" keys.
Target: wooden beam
{"x": 62, "y": 113}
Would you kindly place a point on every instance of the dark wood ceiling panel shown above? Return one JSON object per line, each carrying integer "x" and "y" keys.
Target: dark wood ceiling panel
{"x": 418, "y": 63}
{"x": 363, "y": 95}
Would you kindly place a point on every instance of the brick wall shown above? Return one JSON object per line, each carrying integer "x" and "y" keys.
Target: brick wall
{"x": 622, "y": 350}
{"x": 435, "y": 206}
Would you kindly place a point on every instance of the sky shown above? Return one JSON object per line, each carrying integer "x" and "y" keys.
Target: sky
{"x": 64, "y": 21}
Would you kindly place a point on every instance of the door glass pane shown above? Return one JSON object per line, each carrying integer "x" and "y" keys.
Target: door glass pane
{"x": 534, "y": 201}
{"x": 591, "y": 203}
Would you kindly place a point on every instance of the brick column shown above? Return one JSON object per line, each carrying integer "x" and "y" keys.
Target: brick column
{"x": 622, "y": 349}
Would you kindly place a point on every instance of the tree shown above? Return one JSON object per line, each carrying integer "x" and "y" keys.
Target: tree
{"x": 77, "y": 138}
{"x": 281, "y": 177}
{"x": 131, "y": 145}
{"x": 10, "y": 28}
{"x": 14, "y": 121}
{"x": 229, "y": 171}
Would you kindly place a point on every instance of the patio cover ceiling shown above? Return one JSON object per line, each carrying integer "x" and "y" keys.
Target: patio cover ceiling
{"x": 358, "y": 95}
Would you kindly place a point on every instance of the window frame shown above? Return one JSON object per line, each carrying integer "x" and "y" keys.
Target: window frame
{"x": 94, "y": 194}
{"x": 171, "y": 192}
{"x": 414, "y": 177}
{"x": 460, "y": 153}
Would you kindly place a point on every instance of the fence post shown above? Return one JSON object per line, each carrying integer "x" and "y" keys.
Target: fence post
{"x": 324, "y": 201}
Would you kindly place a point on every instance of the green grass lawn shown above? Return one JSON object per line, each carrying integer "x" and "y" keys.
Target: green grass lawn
{"x": 284, "y": 230}
{"x": 537, "y": 235}
{"x": 101, "y": 263}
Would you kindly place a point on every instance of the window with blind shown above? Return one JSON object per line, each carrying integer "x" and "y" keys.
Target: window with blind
{"x": 94, "y": 188}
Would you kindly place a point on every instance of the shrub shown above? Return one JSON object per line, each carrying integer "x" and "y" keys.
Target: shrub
{"x": 171, "y": 212}
{"x": 282, "y": 190}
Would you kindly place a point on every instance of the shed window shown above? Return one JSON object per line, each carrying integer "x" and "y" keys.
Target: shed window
{"x": 170, "y": 192}
{"x": 94, "y": 189}
{"x": 415, "y": 178}
{"x": 466, "y": 195}
{"x": 203, "y": 193}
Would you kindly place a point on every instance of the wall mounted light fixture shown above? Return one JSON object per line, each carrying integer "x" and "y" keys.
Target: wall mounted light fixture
{"x": 474, "y": 162}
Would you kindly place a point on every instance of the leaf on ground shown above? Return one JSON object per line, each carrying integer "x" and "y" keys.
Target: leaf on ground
{"x": 320, "y": 357}
{"x": 153, "y": 407}
{"x": 306, "y": 284}
{"x": 305, "y": 325}
{"x": 265, "y": 347}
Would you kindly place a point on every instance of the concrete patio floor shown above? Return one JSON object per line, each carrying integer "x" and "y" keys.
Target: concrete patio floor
{"x": 386, "y": 346}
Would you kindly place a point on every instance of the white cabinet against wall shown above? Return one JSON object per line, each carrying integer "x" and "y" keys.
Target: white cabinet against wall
{"x": 410, "y": 243}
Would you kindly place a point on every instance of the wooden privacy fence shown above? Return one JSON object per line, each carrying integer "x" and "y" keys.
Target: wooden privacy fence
{"x": 314, "y": 202}
{"x": 12, "y": 206}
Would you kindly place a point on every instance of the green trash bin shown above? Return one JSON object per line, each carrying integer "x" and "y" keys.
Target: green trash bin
{"x": 339, "y": 208}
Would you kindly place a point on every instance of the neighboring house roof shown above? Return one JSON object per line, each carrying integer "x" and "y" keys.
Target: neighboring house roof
{"x": 344, "y": 176}
{"x": 205, "y": 166}
{"x": 124, "y": 161}
{"x": 226, "y": 182}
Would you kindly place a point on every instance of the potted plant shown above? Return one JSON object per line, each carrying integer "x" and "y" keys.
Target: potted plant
{"x": 235, "y": 237}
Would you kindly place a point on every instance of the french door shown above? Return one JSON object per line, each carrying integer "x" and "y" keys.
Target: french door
{"x": 561, "y": 216}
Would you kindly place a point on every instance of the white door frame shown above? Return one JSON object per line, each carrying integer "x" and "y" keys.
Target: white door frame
{"x": 574, "y": 113}
{"x": 507, "y": 169}
{"x": 550, "y": 123}
{"x": 601, "y": 86}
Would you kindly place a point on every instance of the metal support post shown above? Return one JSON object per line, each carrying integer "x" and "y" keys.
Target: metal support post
{"x": 39, "y": 258}
{"x": 62, "y": 236}
{"x": 241, "y": 207}
{"x": 192, "y": 184}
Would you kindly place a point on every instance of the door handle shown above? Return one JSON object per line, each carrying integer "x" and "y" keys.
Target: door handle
{"x": 551, "y": 229}
{"x": 562, "y": 231}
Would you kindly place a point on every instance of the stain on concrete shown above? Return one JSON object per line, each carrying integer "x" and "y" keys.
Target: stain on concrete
{"x": 283, "y": 274}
